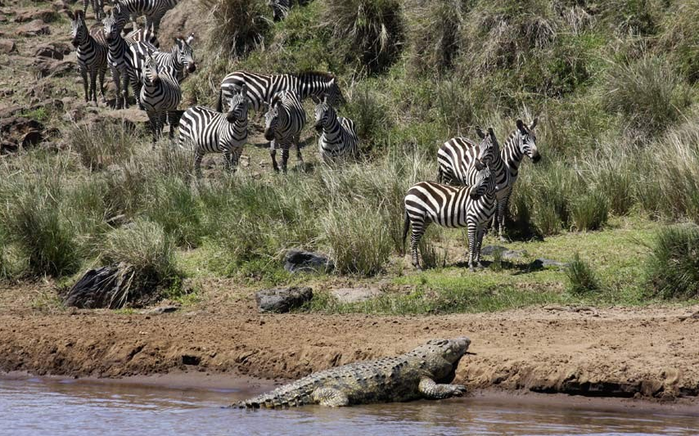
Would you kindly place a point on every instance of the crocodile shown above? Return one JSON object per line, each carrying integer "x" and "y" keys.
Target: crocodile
{"x": 424, "y": 372}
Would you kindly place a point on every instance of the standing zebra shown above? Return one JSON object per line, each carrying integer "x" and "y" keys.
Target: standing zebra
{"x": 97, "y": 8}
{"x": 452, "y": 206}
{"x": 261, "y": 87}
{"x": 122, "y": 60}
{"x": 338, "y": 137}
{"x": 160, "y": 94}
{"x": 213, "y": 132}
{"x": 177, "y": 61}
{"x": 154, "y": 10}
{"x": 459, "y": 158}
{"x": 145, "y": 34}
{"x": 92, "y": 55}
{"x": 280, "y": 8}
{"x": 455, "y": 160}
{"x": 283, "y": 124}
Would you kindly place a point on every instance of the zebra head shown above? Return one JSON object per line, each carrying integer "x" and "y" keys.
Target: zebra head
{"x": 79, "y": 30}
{"x": 111, "y": 29}
{"x": 185, "y": 53}
{"x": 482, "y": 185}
{"x": 151, "y": 70}
{"x": 272, "y": 118}
{"x": 488, "y": 149}
{"x": 527, "y": 140}
{"x": 324, "y": 114}
{"x": 238, "y": 106}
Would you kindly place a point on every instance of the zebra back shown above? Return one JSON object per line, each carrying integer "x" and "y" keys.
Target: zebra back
{"x": 460, "y": 157}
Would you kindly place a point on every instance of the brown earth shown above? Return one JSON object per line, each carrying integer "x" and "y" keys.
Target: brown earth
{"x": 649, "y": 352}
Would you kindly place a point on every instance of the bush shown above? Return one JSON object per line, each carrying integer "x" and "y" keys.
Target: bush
{"x": 434, "y": 34}
{"x": 648, "y": 93}
{"x": 369, "y": 114}
{"x": 237, "y": 26}
{"x": 103, "y": 144}
{"x": 589, "y": 211}
{"x": 673, "y": 264}
{"x": 582, "y": 280}
{"x": 371, "y": 32}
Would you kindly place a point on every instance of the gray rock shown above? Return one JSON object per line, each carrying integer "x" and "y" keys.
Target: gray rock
{"x": 19, "y": 132}
{"x": 304, "y": 261}
{"x": 43, "y": 15}
{"x": 33, "y": 28}
{"x": 49, "y": 51}
{"x": 282, "y": 300}
{"x": 97, "y": 288}
{"x": 490, "y": 250}
{"x": 7, "y": 46}
{"x": 544, "y": 263}
{"x": 355, "y": 295}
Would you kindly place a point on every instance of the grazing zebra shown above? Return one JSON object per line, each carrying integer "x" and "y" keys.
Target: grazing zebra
{"x": 154, "y": 10}
{"x": 283, "y": 124}
{"x": 459, "y": 158}
{"x": 452, "y": 206}
{"x": 339, "y": 136}
{"x": 122, "y": 60}
{"x": 261, "y": 87}
{"x": 280, "y": 8}
{"x": 92, "y": 55}
{"x": 178, "y": 61}
{"x": 213, "y": 132}
{"x": 160, "y": 94}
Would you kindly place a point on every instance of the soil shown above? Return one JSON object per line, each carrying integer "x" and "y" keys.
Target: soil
{"x": 642, "y": 352}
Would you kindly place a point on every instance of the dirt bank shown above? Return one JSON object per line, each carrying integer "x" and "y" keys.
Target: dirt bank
{"x": 651, "y": 352}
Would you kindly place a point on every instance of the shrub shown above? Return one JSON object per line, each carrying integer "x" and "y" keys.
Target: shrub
{"x": 369, "y": 114}
{"x": 237, "y": 26}
{"x": 648, "y": 93}
{"x": 582, "y": 280}
{"x": 176, "y": 209}
{"x": 673, "y": 264}
{"x": 371, "y": 32}
{"x": 103, "y": 144}
{"x": 434, "y": 34}
{"x": 589, "y": 211}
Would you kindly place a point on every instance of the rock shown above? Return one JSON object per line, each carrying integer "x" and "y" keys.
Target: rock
{"x": 97, "y": 288}
{"x": 43, "y": 15}
{"x": 17, "y": 131}
{"x": 282, "y": 300}
{"x": 490, "y": 250}
{"x": 51, "y": 50}
{"x": 355, "y": 295}
{"x": 33, "y": 28}
{"x": 7, "y": 46}
{"x": 543, "y": 263}
{"x": 47, "y": 67}
{"x": 297, "y": 260}
{"x": 161, "y": 310}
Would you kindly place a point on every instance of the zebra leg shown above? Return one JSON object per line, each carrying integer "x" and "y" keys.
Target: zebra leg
{"x": 116, "y": 77}
{"x": 502, "y": 213}
{"x": 273, "y": 155}
{"x": 236, "y": 157}
{"x": 285, "y": 158}
{"x": 154, "y": 119}
{"x": 480, "y": 231}
{"x": 83, "y": 73}
{"x": 472, "y": 230}
{"x": 102, "y": 73}
{"x": 227, "y": 159}
{"x": 416, "y": 235}
{"x": 297, "y": 138}
{"x": 93, "y": 86}
{"x": 198, "y": 156}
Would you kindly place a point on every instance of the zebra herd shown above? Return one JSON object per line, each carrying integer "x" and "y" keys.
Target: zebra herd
{"x": 474, "y": 182}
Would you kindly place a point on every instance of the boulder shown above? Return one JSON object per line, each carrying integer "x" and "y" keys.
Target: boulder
{"x": 7, "y": 46}
{"x": 282, "y": 300}
{"x": 33, "y": 28}
{"x": 17, "y": 131}
{"x": 47, "y": 67}
{"x": 52, "y": 50}
{"x": 97, "y": 288}
{"x": 43, "y": 15}
{"x": 355, "y": 295}
{"x": 490, "y": 250}
{"x": 305, "y": 261}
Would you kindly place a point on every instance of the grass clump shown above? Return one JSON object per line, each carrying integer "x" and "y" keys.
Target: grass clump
{"x": 582, "y": 280}
{"x": 673, "y": 264}
{"x": 237, "y": 26}
{"x": 589, "y": 211}
{"x": 103, "y": 144}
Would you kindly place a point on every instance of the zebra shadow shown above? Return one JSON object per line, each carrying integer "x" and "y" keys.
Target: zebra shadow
{"x": 503, "y": 265}
{"x": 520, "y": 230}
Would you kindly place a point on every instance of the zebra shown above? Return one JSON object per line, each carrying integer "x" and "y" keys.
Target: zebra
{"x": 261, "y": 87}
{"x": 280, "y": 8}
{"x": 97, "y": 8}
{"x": 178, "y": 61}
{"x": 283, "y": 124}
{"x": 338, "y": 135}
{"x": 213, "y": 132}
{"x": 154, "y": 10}
{"x": 455, "y": 160}
{"x": 92, "y": 55}
{"x": 160, "y": 94}
{"x": 145, "y": 34}
{"x": 122, "y": 60}
{"x": 459, "y": 157}
{"x": 452, "y": 206}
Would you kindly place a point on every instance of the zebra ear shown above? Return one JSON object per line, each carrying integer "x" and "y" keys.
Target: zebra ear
{"x": 491, "y": 132}
{"x": 70, "y": 14}
{"x": 190, "y": 38}
{"x": 520, "y": 126}
{"x": 480, "y": 133}
{"x": 315, "y": 99}
{"x": 536, "y": 120}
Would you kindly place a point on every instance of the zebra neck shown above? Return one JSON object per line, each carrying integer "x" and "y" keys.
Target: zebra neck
{"x": 117, "y": 45}
{"x": 87, "y": 43}
{"x": 331, "y": 128}
{"x": 175, "y": 59}
{"x": 511, "y": 153}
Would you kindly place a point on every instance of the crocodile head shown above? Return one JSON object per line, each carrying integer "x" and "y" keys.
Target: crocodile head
{"x": 450, "y": 350}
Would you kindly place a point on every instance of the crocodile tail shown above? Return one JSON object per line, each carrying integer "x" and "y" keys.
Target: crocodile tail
{"x": 406, "y": 226}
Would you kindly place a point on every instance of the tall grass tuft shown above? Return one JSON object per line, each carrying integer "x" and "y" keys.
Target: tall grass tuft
{"x": 434, "y": 34}
{"x": 103, "y": 144}
{"x": 370, "y": 31}
{"x": 582, "y": 280}
{"x": 673, "y": 264}
{"x": 589, "y": 211}
{"x": 237, "y": 26}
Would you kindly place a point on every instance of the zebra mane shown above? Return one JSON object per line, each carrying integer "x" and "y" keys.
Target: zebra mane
{"x": 316, "y": 75}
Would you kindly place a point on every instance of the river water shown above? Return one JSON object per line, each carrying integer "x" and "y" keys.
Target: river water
{"x": 36, "y": 406}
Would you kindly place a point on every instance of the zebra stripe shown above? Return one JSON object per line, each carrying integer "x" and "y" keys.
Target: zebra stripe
{"x": 92, "y": 55}
{"x": 145, "y": 34}
{"x": 451, "y": 206}
{"x": 339, "y": 135}
{"x": 122, "y": 60}
{"x": 154, "y": 10}
{"x": 283, "y": 124}
{"x": 213, "y": 132}
{"x": 262, "y": 87}
{"x": 160, "y": 94}
{"x": 178, "y": 61}
{"x": 460, "y": 158}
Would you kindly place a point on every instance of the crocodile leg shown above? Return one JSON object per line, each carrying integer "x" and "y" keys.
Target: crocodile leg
{"x": 433, "y": 391}
{"x": 330, "y": 397}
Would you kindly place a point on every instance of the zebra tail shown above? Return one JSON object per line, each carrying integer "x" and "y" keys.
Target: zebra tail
{"x": 219, "y": 103}
{"x": 406, "y": 226}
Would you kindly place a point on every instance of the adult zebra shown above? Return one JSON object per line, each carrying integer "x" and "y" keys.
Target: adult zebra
{"x": 178, "y": 61}
{"x": 97, "y": 8}
{"x": 283, "y": 124}
{"x": 92, "y": 55}
{"x": 338, "y": 137}
{"x": 154, "y": 10}
{"x": 122, "y": 60}
{"x": 262, "y": 87}
{"x": 460, "y": 157}
{"x": 214, "y": 132}
{"x": 145, "y": 34}
{"x": 453, "y": 206}
{"x": 160, "y": 94}
{"x": 454, "y": 162}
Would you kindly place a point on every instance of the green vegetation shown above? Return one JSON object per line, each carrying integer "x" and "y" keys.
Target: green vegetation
{"x": 613, "y": 84}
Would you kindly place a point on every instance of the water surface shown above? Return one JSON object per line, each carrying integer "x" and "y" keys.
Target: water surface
{"x": 53, "y": 407}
